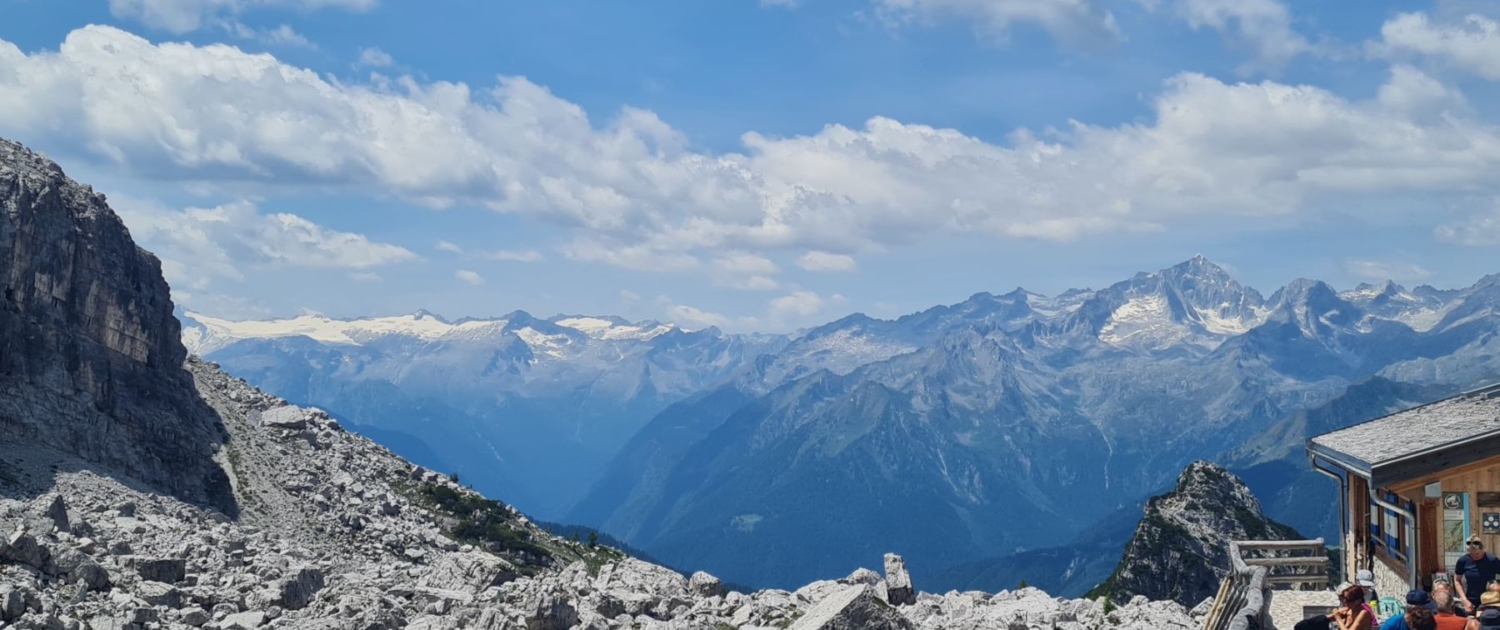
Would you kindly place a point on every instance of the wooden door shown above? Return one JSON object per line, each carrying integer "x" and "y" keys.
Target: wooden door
{"x": 1429, "y": 545}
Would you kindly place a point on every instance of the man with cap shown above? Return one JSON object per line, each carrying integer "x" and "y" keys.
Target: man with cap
{"x": 1474, "y": 571}
{"x": 1416, "y": 599}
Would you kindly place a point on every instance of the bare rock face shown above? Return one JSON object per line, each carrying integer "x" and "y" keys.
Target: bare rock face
{"x": 854, "y": 608}
{"x": 90, "y": 354}
{"x": 898, "y": 589}
{"x": 1178, "y": 551}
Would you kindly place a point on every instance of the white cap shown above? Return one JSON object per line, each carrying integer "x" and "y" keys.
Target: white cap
{"x": 1365, "y": 577}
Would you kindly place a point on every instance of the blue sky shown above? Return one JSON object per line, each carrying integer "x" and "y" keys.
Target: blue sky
{"x": 762, "y": 165}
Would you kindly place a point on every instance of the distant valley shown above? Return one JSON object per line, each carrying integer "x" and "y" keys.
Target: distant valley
{"x": 1002, "y": 424}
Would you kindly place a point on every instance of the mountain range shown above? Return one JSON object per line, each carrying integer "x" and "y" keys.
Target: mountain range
{"x": 991, "y": 427}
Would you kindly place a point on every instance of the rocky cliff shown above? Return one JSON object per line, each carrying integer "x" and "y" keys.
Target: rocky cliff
{"x": 90, "y": 356}
{"x": 139, "y": 491}
{"x": 1179, "y": 549}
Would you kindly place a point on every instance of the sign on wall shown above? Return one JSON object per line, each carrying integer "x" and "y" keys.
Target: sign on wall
{"x": 1487, "y": 499}
{"x": 1490, "y": 522}
{"x": 1456, "y": 525}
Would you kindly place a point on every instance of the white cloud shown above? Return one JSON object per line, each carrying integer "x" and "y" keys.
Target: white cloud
{"x": 824, "y": 261}
{"x": 473, "y": 278}
{"x": 181, "y": 16}
{"x": 690, "y": 317}
{"x": 512, "y": 255}
{"x": 1473, "y": 44}
{"x": 799, "y": 306}
{"x": 744, "y": 263}
{"x": 1263, "y": 27}
{"x": 452, "y": 248}
{"x": 1078, "y": 22}
{"x": 1478, "y": 229}
{"x": 365, "y": 276}
{"x": 280, "y": 36}
{"x": 375, "y": 58}
{"x": 634, "y": 195}
{"x": 284, "y": 35}
{"x": 1379, "y": 270}
{"x": 632, "y": 257}
{"x": 200, "y": 245}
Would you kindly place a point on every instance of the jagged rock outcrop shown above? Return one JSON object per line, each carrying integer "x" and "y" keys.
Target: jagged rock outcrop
{"x": 90, "y": 354}
{"x": 225, "y": 508}
{"x": 1179, "y": 550}
{"x": 898, "y": 589}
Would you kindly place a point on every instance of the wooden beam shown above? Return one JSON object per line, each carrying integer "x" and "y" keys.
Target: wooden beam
{"x": 1306, "y": 561}
{"x": 1409, "y": 470}
{"x": 1280, "y": 544}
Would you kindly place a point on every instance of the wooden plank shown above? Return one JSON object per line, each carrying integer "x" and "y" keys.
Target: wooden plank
{"x": 1306, "y": 561}
{"x": 1281, "y": 544}
{"x": 1418, "y": 471}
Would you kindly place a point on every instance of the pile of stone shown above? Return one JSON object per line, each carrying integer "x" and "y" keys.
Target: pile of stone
{"x": 329, "y": 535}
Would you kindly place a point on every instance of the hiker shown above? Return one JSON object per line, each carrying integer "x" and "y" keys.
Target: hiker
{"x": 1487, "y": 615}
{"x": 1418, "y": 598}
{"x": 1445, "y": 616}
{"x": 1419, "y": 618}
{"x": 1353, "y": 613}
{"x": 1443, "y": 588}
{"x": 1474, "y": 572}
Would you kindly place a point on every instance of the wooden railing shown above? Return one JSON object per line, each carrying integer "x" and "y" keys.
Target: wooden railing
{"x": 1245, "y": 593}
{"x": 1286, "y": 567}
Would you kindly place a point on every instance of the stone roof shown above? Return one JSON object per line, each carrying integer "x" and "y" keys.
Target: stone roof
{"x": 1418, "y": 430}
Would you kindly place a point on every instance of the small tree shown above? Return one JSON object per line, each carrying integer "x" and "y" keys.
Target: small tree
{"x": 1022, "y": 586}
{"x": 593, "y": 539}
{"x": 453, "y": 476}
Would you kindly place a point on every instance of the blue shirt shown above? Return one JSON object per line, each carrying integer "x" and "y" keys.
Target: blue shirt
{"x": 1477, "y": 574}
{"x": 1397, "y": 622}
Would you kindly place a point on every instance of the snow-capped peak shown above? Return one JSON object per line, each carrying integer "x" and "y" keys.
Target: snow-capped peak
{"x": 612, "y": 328}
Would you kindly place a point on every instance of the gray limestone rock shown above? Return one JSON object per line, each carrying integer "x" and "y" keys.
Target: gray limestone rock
{"x": 705, "y": 585}
{"x": 167, "y": 570}
{"x": 898, "y": 588}
{"x": 93, "y": 355}
{"x": 297, "y": 591}
{"x": 854, "y": 608}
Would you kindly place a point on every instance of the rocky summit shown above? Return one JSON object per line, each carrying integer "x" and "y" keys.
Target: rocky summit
{"x": 143, "y": 489}
{"x": 1179, "y": 549}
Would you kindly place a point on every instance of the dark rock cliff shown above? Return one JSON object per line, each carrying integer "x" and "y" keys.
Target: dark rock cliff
{"x": 1179, "y": 550}
{"x": 90, "y": 354}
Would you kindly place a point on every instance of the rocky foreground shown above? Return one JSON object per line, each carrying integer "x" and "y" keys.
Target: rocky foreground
{"x": 337, "y": 532}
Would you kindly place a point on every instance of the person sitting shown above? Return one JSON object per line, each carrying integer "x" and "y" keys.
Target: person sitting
{"x": 1416, "y": 599}
{"x": 1419, "y": 618}
{"x": 1352, "y": 613}
{"x": 1442, "y": 586}
{"x": 1487, "y": 615}
{"x": 1444, "y": 616}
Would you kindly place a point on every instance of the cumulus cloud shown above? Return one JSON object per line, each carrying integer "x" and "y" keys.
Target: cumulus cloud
{"x": 1262, "y": 27}
{"x": 452, "y": 248}
{"x": 1076, "y": 22}
{"x": 1478, "y": 229}
{"x": 200, "y": 245}
{"x": 1472, "y": 44}
{"x": 824, "y": 261}
{"x": 375, "y": 58}
{"x": 634, "y": 194}
{"x": 1381, "y": 270}
{"x": 182, "y": 16}
{"x": 471, "y": 277}
{"x": 691, "y": 317}
{"x": 799, "y": 306}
